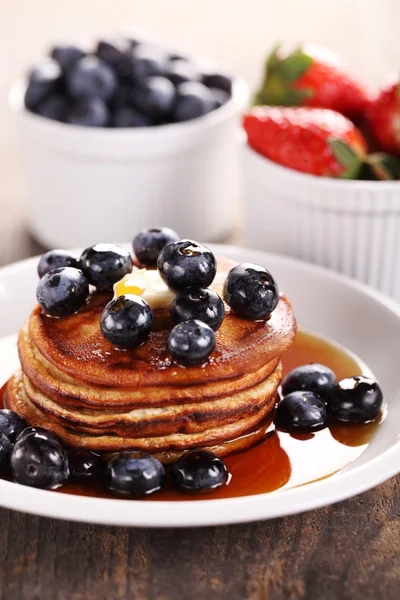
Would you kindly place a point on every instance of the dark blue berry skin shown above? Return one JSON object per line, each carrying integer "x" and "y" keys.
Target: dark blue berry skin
{"x": 186, "y": 264}
{"x": 301, "y": 412}
{"x": 105, "y": 264}
{"x": 116, "y": 52}
{"x": 84, "y": 466}
{"x": 134, "y": 474}
{"x": 199, "y": 471}
{"x": 356, "y": 400}
{"x": 11, "y": 424}
{"x": 191, "y": 342}
{"x": 127, "y": 116}
{"x": 67, "y": 55}
{"x": 197, "y": 303}
{"x": 179, "y": 71}
{"x": 193, "y": 100}
{"x": 148, "y": 60}
{"x": 219, "y": 81}
{"x": 36, "y": 430}
{"x": 62, "y": 292}
{"x": 54, "y": 107}
{"x": 40, "y": 461}
{"x": 311, "y": 378}
{"x": 148, "y": 244}
{"x": 126, "y": 321}
{"x": 154, "y": 97}
{"x": 55, "y": 259}
{"x": 5, "y": 452}
{"x": 90, "y": 77}
{"x": 43, "y": 80}
{"x": 88, "y": 112}
{"x": 250, "y": 290}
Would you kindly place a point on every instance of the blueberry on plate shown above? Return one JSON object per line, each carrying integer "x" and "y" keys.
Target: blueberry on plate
{"x": 116, "y": 52}
{"x": 90, "y": 77}
{"x": 193, "y": 100}
{"x": 43, "y": 80}
{"x": 186, "y": 264}
{"x": 219, "y": 81}
{"x": 356, "y": 400}
{"x": 84, "y": 466}
{"x": 67, "y": 55}
{"x": 198, "y": 303}
{"x": 191, "y": 342}
{"x": 154, "y": 97}
{"x": 62, "y": 292}
{"x": 55, "y": 259}
{"x": 11, "y": 424}
{"x": 179, "y": 71}
{"x": 148, "y": 243}
{"x": 39, "y": 460}
{"x": 105, "y": 264}
{"x": 127, "y": 116}
{"x": 5, "y": 452}
{"x": 301, "y": 412}
{"x": 134, "y": 473}
{"x": 311, "y": 378}
{"x": 54, "y": 107}
{"x": 250, "y": 290}
{"x": 199, "y": 471}
{"x": 148, "y": 60}
{"x": 88, "y": 112}
{"x": 126, "y": 321}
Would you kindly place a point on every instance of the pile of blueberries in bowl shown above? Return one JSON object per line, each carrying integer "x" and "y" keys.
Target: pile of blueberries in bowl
{"x": 123, "y": 82}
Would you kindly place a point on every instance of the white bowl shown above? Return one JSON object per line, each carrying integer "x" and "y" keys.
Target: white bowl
{"x": 357, "y": 317}
{"x": 85, "y": 184}
{"x": 349, "y": 226}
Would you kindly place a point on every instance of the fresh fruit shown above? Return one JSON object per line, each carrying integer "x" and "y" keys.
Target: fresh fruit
{"x": 134, "y": 474}
{"x": 199, "y": 471}
{"x": 383, "y": 166}
{"x": 148, "y": 243}
{"x": 197, "y": 303}
{"x": 148, "y": 60}
{"x": 193, "y": 100}
{"x": 301, "y": 412}
{"x": 311, "y": 77}
{"x": 105, "y": 264}
{"x": 310, "y": 378}
{"x": 126, "y": 321}
{"x": 127, "y": 116}
{"x": 251, "y": 291}
{"x": 43, "y": 81}
{"x": 116, "y": 52}
{"x": 180, "y": 70}
{"x": 66, "y": 55}
{"x": 28, "y": 431}
{"x": 40, "y": 461}
{"x": 62, "y": 292}
{"x": 83, "y": 465}
{"x": 55, "y": 259}
{"x": 356, "y": 400}
{"x": 191, "y": 342}
{"x": 186, "y": 264}
{"x": 90, "y": 77}
{"x": 154, "y": 97}
{"x": 220, "y": 97}
{"x": 383, "y": 116}
{"x": 11, "y": 424}
{"x": 54, "y": 107}
{"x": 218, "y": 81}
{"x": 315, "y": 141}
{"x": 5, "y": 452}
{"x": 88, "y": 112}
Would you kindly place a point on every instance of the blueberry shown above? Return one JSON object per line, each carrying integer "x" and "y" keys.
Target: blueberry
{"x": 5, "y": 452}
{"x": 127, "y": 116}
{"x": 54, "y": 107}
{"x": 178, "y": 71}
{"x": 90, "y": 77}
{"x": 311, "y": 378}
{"x": 11, "y": 424}
{"x": 301, "y": 412}
{"x": 116, "y": 52}
{"x": 105, "y": 264}
{"x": 28, "y": 431}
{"x": 43, "y": 81}
{"x": 251, "y": 291}
{"x": 197, "y": 303}
{"x": 148, "y": 60}
{"x": 67, "y": 55}
{"x": 126, "y": 321}
{"x": 39, "y": 460}
{"x": 54, "y": 259}
{"x": 186, "y": 264}
{"x": 199, "y": 471}
{"x": 62, "y": 292}
{"x": 134, "y": 473}
{"x": 356, "y": 400}
{"x": 154, "y": 97}
{"x": 88, "y": 112}
{"x": 193, "y": 99}
{"x": 148, "y": 244}
{"x": 191, "y": 342}
{"x": 219, "y": 81}
{"x": 220, "y": 97}
{"x": 83, "y": 465}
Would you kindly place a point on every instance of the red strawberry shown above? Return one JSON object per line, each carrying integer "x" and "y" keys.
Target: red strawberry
{"x": 383, "y": 117}
{"x": 311, "y": 77}
{"x": 312, "y": 140}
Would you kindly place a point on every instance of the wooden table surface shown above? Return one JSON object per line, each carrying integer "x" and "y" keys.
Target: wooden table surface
{"x": 349, "y": 551}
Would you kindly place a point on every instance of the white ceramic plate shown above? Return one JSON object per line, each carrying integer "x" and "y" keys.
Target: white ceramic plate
{"x": 357, "y": 317}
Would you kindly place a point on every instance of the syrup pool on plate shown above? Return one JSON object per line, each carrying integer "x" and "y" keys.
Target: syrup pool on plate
{"x": 282, "y": 460}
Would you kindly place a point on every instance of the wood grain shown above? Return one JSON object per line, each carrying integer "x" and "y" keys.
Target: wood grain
{"x": 349, "y": 551}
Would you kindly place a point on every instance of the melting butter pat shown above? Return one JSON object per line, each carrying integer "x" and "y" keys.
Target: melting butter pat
{"x": 147, "y": 284}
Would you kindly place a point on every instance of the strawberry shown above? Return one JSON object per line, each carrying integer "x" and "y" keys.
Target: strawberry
{"x": 311, "y": 77}
{"x": 383, "y": 116}
{"x": 312, "y": 140}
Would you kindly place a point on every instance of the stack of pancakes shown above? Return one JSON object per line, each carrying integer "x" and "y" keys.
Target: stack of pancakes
{"x": 75, "y": 383}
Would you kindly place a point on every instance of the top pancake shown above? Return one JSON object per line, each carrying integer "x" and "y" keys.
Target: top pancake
{"x": 76, "y": 346}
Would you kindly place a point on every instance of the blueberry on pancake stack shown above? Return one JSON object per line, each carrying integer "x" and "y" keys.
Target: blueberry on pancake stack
{"x": 183, "y": 353}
